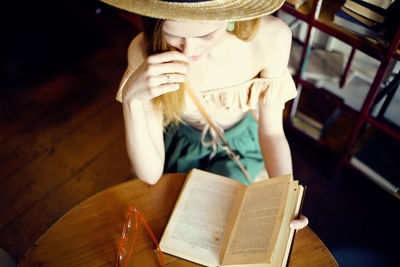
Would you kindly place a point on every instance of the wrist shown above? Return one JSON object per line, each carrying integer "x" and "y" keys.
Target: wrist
{"x": 133, "y": 104}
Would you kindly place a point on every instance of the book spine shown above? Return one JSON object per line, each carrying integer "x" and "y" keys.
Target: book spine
{"x": 374, "y": 8}
{"x": 364, "y": 20}
{"x": 344, "y": 20}
{"x": 373, "y": 14}
{"x": 306, "y": 128}
{"x": 314, "y": 123}
{"x": 380, "y": 3}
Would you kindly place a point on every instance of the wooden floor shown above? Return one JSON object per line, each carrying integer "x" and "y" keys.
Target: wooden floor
{"x": 61, "y": 133}
{"x": 62, "y": 140}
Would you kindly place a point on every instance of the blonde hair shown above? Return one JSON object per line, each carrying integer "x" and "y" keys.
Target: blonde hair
{"x": 170, "y": 105}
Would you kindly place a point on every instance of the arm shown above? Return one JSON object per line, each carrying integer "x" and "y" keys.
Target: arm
{"x": 273, "y": 143}
{"x": 274, "y": 146}
{"x": 143, "y": 127}
{"x": 275, "y": 150}
{"x": 144, "y": 141}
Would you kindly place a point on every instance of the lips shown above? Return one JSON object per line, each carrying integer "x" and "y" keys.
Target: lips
{"x": 194, "y": 58}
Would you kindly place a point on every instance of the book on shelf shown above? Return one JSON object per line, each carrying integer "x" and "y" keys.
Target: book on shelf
{"x": 380, "y": 3}
{"x": 348, "y": 22}
{"x": 379, "y": 31}
{"x": 364, "y": 20}
{"x": 218, "y": 221}
{"x": 307, "y": 125}
{"x": 314, "y": 114}
{"x": 296, "y": 3}
{"x": 378, "y": 159}
{"x": 312, "y": 127}
{"x": 367, "y": 10}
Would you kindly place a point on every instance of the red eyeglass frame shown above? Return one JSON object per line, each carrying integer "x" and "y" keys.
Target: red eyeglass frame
{"x": 127, "y": 224}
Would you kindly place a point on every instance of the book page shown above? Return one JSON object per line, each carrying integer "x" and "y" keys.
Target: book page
{"x": 198, "y": 222}
{"x": 258, "y": 223}
{"x": 285, "y": 236}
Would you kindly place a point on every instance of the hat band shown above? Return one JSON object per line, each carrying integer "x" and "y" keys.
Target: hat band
{"x": 185, "y": 1}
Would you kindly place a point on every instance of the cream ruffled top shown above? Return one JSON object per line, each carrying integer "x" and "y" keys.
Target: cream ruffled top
{"x": 227, "y": 106}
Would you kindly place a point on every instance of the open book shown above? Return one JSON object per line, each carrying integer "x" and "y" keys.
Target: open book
{"x": 218, "y": 221}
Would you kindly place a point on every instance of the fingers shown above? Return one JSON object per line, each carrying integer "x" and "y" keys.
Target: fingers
{"x": 165, "y": 83}
{"x": 165, "y": 71}
{"x": 167, "y": 57}
{"x": 173, "y": 67}
{"x": 154, "y": 81}
{"x": 161, "y": 73}
{"x": 300, "y": 223}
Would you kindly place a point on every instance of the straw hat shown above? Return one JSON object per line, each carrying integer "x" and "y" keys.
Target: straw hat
{"x": 199, "y": 10}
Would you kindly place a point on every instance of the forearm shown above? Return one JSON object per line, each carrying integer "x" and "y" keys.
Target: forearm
{"x": 274, "y": 146}
{"x": 276, "y": 154}
{"x": 144, "y": 142}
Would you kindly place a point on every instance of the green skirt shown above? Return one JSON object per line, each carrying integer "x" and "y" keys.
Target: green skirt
{"x": 184, "y": 150}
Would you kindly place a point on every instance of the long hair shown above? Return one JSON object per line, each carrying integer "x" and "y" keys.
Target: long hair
{"x": 170, "y": 105}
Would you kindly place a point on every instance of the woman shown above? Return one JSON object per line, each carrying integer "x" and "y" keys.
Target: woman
{"x": 232, "y": 68}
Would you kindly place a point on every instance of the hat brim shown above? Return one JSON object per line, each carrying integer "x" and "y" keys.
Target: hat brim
{"x": 217, "y": 10}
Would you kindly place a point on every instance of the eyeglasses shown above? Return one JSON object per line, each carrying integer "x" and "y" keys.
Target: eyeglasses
{"x": 122, "y": 256}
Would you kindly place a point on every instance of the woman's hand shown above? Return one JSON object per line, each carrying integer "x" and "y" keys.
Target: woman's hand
{"x": 299, "y": 223}
{"x": 159, "y": 74}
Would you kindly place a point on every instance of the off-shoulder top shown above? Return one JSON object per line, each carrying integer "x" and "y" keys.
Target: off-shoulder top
{"x": 227, "y": 106}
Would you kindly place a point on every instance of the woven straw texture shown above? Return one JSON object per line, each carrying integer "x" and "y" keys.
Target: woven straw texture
{"x": 213, "y": 10}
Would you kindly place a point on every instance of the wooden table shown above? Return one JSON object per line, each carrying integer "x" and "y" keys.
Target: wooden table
{"x": 89, "y": 234}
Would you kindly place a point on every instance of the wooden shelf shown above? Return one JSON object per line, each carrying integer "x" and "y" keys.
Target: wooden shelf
{"x": 386, "y": 128}
{"x": 324, "y": 23}
{"x": 332, "y": 141}
{"x": 323, "y": 93}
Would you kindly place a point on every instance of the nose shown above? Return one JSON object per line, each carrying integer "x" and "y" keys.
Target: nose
{"x": 189, "y": 47}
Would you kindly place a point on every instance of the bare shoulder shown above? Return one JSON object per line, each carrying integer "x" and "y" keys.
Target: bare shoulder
{"x": 276, "y": 26}
{"x": 137, "y": 52}
{"x": 275, "y": 39}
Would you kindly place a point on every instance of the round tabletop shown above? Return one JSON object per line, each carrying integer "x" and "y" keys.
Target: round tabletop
{"x": 89, "y": 234}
